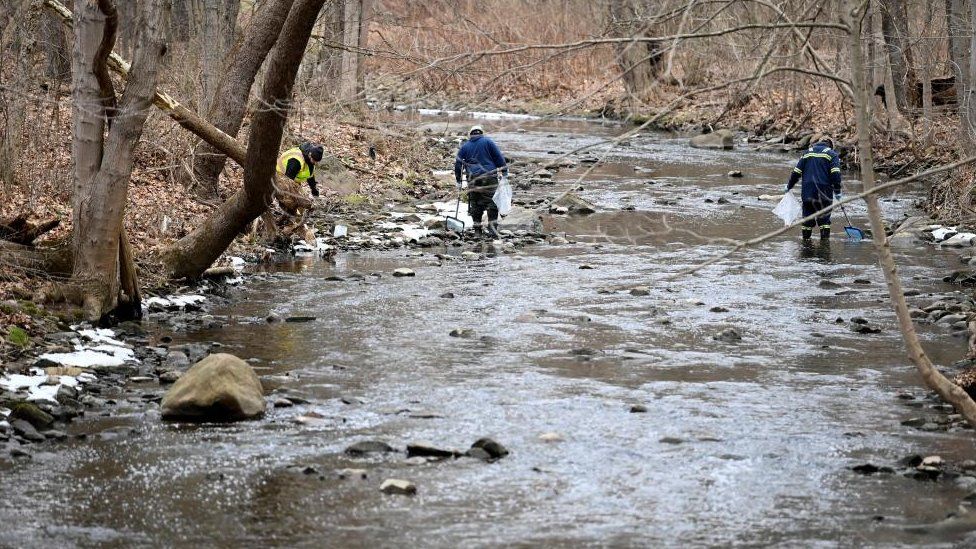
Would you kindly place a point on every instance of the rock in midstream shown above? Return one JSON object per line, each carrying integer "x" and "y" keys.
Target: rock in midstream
{"x": 424, "y": 449}
{"x": 728, "y": 335}
{"x": 493, "y": 449}
{"x": 397, "y": 486}
{"x": 220, "y": 387}
{"x": 364, "y": 447}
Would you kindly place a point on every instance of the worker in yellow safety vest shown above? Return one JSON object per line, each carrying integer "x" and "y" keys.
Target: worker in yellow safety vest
{"x": 298, "y": 164}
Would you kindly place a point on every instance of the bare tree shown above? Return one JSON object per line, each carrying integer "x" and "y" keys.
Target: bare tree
{"x": 852, "y": 14}
{"x": 230, "y": 98}
{"x": 193, "y": 254}
{"x": 216, "y": 34}
{"x": 960, "y": 34}
{"x": 103, "y": 163}
{"x": 894, "y": 24}
{"x": 639, "y": 61}
{"x": 355, "y": 29}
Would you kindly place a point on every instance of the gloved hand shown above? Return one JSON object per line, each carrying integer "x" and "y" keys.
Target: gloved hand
{"x": 314, "y": 188}
{"x": 786, "y": 189}
{"x": 838, "y": 197}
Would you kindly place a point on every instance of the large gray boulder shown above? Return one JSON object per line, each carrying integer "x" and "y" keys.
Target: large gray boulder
{"x": 718, "y": 139}
{"x": 220, "y": 387}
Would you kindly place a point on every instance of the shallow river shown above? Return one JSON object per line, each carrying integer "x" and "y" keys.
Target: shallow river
{"x": 745, "y": 443}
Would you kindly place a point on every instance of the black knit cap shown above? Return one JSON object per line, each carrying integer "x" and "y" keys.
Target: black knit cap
{"x": 315, "y": 153}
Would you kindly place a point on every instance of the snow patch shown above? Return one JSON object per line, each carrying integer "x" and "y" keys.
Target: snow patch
{"x": 172, "y": 302}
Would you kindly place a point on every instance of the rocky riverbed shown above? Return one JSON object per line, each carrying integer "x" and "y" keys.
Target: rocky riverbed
{"x": 561, "y": 384}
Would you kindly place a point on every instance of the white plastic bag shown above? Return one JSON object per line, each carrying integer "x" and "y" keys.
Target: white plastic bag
{"x": 788, "y": 209}
{"x": 503, "y": 196}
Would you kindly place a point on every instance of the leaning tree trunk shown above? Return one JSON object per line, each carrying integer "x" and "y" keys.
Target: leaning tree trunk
{"x": 949, "y": 391}
{"x": 639, "y": 61}
{"x": 193, "y": 254}
{"x": 231, "y": 95}
{"x": 103, "y": 164}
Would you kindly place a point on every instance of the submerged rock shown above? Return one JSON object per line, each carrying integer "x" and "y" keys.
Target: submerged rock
{"x": 870, "y": 469}
{"x": 728, "y": 335}
{"x": 364, "y": 447}
{"x": 403, "y": 271}
{"x": 220, "y": 387}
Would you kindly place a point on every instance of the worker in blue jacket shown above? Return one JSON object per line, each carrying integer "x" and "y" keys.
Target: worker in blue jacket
{"x": 482, "y": 161}
{"x": 819, "y": 169}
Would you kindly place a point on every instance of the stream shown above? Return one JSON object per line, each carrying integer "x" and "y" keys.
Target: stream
{"x": 745, "y": 442}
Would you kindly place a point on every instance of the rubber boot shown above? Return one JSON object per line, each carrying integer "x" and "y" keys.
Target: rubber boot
{"x": 492, "y": 230}
{"x": 824, "y": 233}
{"x": 807, "y": 233}
{"x": 478, "y": 232}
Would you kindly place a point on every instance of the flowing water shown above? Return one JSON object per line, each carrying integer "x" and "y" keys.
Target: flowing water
{"x": 745, "y": 443}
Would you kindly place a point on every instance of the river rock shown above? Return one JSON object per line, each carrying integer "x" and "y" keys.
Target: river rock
{"x": 494, "y": 449}
{"x": 352, "y": 473}
{"x": 638, "y": 409}
{"x": 177, "y": 359}
{"x": 728, "y": 335}
{"x": 735, "y": 173}
{"x": 864, "y": 328}
{"x": 395, "y": 486}
{"x": 573, "y": 205}
{"x": 403, "y": 271}
{"x": 32, "y": 414}
{"x": 364, "y": 447}
{"x": 952, "y": 319}
{"x": 462, "y": 332}
{"x": 170, "y": 376}
{"x": 26, "y": 431}
{"x": 423, "y": 449}
{"x": 718, "y": 139}
{"x": 640, "y": 291}
{"x": 220, "y": 387}
{"x": 469, "y": 255}
{"x": 551, "y": 437}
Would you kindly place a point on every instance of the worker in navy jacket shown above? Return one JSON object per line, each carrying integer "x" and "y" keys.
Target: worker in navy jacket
{"x": 819, "y": 169}
{"x": 482, "y": 161}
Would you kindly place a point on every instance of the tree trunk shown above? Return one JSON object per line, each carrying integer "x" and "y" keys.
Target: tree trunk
{"x": 894, "y": 24}
{"x": 349, "y": 70}
{"x": 286, "y": 191}
{"x": 193, "y": 254}
{"x": 15, "y": 89}
{"x": 103, "y": 164}
{"x": 960, "y": 33}
{"x": 365, "y": 16}
{"x": 639, "y": 61}
{"x": 231, "y": 96}
{"x": 216, "y": 40}
{"x": 949, "y": 391}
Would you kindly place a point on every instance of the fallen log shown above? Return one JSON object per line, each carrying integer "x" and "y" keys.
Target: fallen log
{"x": 21, "y": 231}
{"x": 56, "y": 261}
